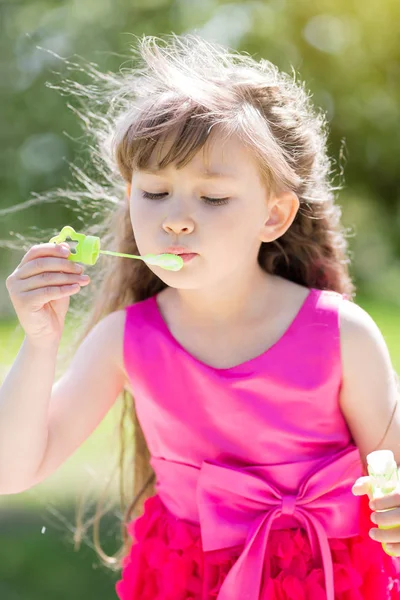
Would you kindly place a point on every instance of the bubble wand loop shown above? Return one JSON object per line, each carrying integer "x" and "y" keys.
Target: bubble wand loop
{"x": 87, "y": 251}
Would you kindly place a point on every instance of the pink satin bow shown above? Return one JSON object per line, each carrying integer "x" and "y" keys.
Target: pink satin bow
{"x": 240, "y": 505}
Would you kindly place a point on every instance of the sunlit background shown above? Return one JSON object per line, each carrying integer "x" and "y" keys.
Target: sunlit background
{"x": 347, "y": 52}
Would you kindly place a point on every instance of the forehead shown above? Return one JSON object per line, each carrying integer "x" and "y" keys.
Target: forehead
{"x": 220, "y": 156}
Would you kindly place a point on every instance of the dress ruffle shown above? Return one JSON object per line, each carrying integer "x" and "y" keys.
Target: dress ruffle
{"x": 166, "y": 562}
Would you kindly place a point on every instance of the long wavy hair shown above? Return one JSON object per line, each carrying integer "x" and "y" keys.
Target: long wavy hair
{"x": 183, "y": 86}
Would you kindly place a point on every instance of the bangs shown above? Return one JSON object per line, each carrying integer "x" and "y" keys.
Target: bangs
{"x": 190, "y": 137}
{"x": 173, "y": 131}
{"x": 173, "y": 139}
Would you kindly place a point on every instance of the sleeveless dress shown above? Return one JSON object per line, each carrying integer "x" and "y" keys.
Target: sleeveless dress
{"x": 254, "y": 466}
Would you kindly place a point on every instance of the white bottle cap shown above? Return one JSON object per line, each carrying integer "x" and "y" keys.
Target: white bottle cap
{"x": 379, "y": 459}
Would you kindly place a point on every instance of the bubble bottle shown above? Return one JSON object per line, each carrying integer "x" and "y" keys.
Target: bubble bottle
{"x": 384, "y": 477}
{"x": 87, "y": 251}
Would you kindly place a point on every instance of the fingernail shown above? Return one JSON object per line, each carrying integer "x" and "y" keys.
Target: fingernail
{"x": 373, "y": 518}
{"x": 372, "y": 505}
{"x": 372, "y": 534}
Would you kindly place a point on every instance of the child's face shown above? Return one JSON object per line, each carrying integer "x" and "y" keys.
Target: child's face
{"x": 226, "y": 237}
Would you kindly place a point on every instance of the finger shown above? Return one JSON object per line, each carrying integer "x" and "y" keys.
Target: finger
{"x": 48, "y": 279}
{"x": 48, "y": 249}
{"x": 362, "y": 486}
{"x": 389, "y": 518}
{"x": 42, "y": 296}
{"x": 391, "y": 500}
{"x": 43, "y": 264}
{"x": 391, "y": 536}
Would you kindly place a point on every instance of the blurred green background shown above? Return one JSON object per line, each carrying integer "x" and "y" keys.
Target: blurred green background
{"x": 347, "y": 53}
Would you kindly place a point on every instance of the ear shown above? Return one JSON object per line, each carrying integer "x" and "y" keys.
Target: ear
{"x": 282, "y": 210}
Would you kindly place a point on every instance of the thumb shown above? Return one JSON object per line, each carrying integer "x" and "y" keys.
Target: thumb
{"x": 362, "y": 486}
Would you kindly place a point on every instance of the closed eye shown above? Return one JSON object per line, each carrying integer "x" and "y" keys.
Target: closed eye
{"x": 214, "y": 201}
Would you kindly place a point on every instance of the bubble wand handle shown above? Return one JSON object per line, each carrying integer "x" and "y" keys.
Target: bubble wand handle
{"x": 110, "y": 253}
{"x": 171, "y": 262}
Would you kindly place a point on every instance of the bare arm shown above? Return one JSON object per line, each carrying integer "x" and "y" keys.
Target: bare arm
{"x": 24, "y": 400}
{"x": 369, "y": 391}
{"x": 49, "y": 422}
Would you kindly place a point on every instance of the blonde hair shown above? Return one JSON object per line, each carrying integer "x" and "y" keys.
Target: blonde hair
{"x": 184, "y": 86}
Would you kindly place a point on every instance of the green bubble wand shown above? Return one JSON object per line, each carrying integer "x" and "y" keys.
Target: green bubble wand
{"x": 87, "y": 251}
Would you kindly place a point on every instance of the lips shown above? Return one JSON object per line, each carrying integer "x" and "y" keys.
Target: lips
{"x": 178, "y": 250}
{"x": 187, "y": 257}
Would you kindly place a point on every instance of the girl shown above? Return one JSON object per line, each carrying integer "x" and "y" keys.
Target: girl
{"x": 259, "y": 385}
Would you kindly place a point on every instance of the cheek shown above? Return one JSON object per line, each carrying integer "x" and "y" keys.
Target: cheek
{"x": 239, "y": 235}
{"x": 141, "y": 222}
{"x": 136, "y": 209}
{"x": 234, "y": 226}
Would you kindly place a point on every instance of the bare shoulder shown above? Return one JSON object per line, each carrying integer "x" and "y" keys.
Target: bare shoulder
{"x": 362, "y": 343}
{"x": 357, "y": 328}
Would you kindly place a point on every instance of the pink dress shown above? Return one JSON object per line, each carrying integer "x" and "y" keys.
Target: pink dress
{"x": 254, "y": 467}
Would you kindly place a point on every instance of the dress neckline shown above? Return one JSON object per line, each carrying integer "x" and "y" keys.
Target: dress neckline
{"x": 243, "y": 365}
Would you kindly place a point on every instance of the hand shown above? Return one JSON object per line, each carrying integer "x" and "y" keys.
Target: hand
{"x": 40, "y": 288}
{"x": 391, "y": 519}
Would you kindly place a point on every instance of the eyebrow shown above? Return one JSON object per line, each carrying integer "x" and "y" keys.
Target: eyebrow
{"x": 207, "y": 174}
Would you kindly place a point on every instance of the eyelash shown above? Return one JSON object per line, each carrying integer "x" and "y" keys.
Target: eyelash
{"x": 212, "y": 201}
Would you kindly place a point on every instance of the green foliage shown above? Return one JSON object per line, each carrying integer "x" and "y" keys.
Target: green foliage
{"x": 40, "y": 563}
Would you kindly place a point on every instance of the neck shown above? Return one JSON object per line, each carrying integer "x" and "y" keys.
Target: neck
{"x": 229, "y": 302}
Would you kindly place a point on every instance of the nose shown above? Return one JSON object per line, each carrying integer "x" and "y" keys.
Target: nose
{"x": 178, "y": 223}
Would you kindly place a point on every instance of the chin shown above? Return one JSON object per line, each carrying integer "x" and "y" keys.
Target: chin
{"x": 179, "y": 280}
